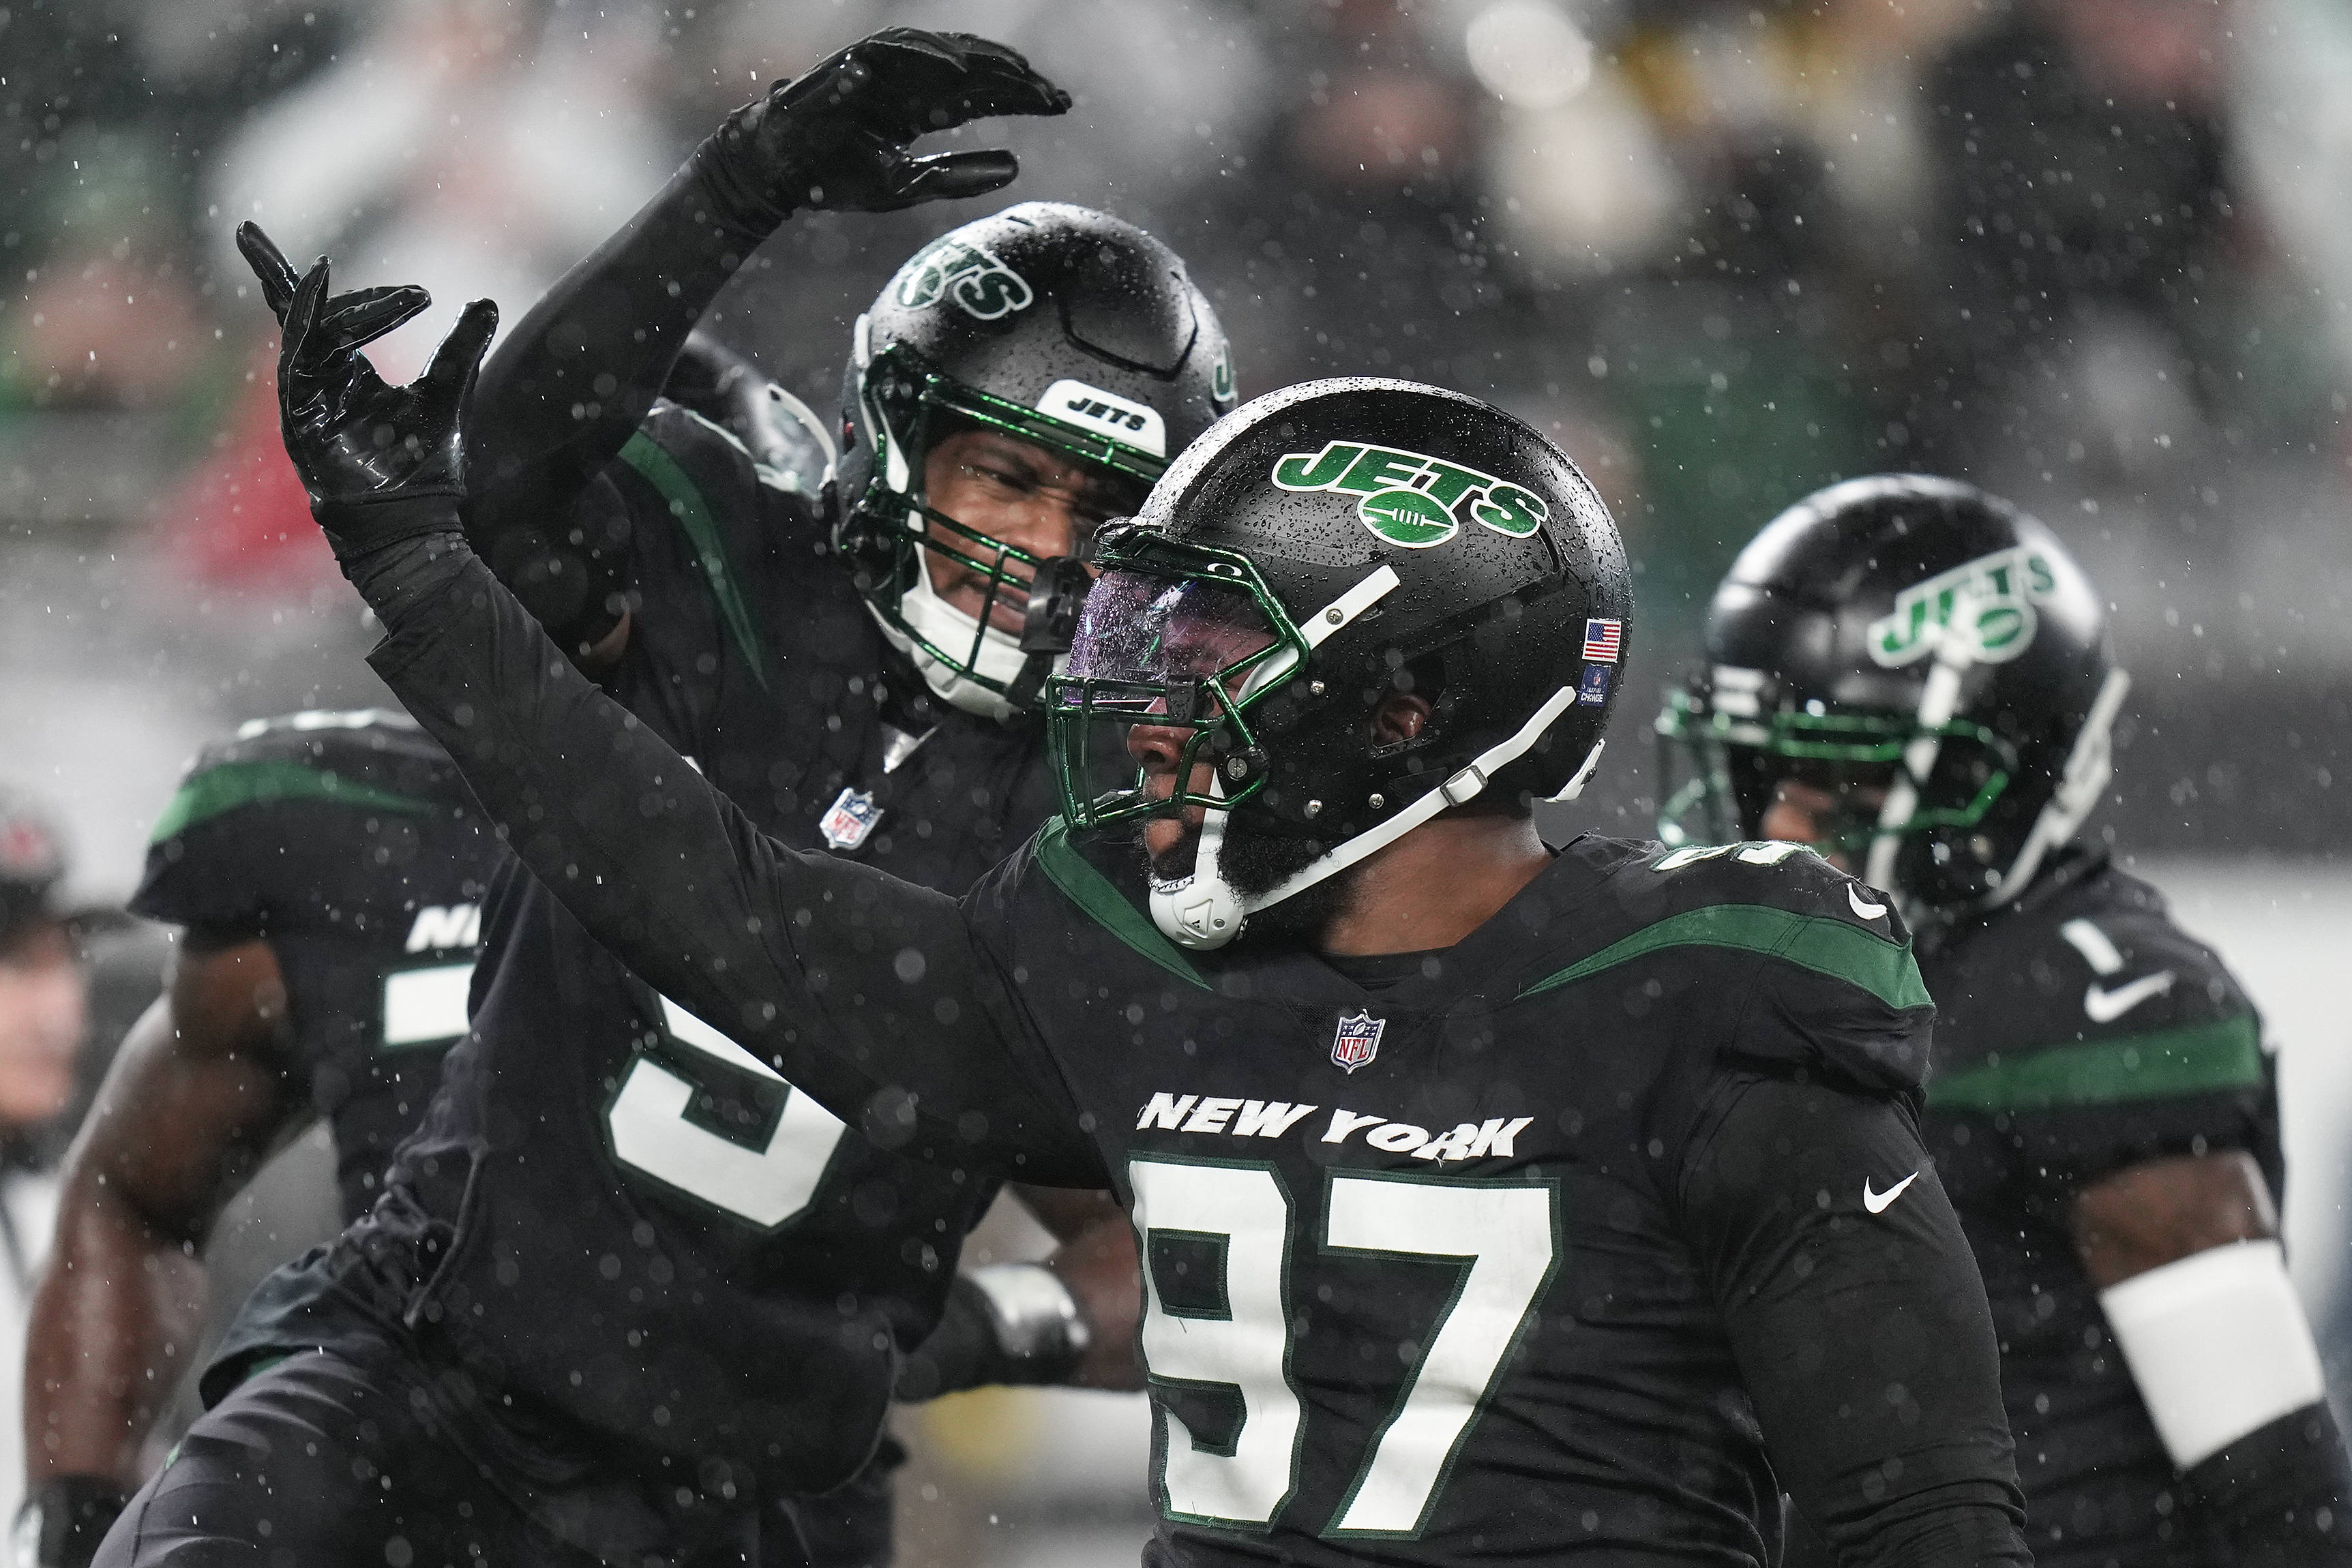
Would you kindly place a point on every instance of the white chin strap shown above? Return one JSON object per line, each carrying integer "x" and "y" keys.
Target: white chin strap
{"x": 1203, "y": 910}
{"x": 943, "y": 625}
{"x": 2089, "y": 766}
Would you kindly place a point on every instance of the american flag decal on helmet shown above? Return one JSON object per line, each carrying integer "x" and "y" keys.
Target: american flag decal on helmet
{"x": 1603, "y": 639}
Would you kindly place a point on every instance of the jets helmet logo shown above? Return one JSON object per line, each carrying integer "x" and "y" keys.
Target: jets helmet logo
{"x": 1411, "y": 499}
{"x": 1221, "y": 377}
{"x": 1100, "y": 412}
{"x": 1988, "y": 603}
{"x": 949, "y": 269}
{"x": 1357, "y": 1040}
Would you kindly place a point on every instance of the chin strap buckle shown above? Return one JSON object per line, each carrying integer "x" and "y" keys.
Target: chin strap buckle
{"x": 1463, "y": 787}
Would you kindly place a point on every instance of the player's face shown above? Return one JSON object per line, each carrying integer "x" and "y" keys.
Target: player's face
{"x": 1021, "y": 494}
{"x": 1823, "y": 816}
{"x": 1159, "y": 749}
{"x": 41, "y": 1021}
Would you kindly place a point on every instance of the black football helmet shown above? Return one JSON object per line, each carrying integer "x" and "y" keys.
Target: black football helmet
{"x": 1060, "y": 325}
{"x": 776, "y": 428}
{"x": 1324, "y": 546}
{"x": 1927, "y": 653}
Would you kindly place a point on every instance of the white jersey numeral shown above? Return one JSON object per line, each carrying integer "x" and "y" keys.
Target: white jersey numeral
{"x": 1505, "y": 1235}
{"x": 765, "y": 1185}
{"x": 1247, "y": 1347}
{"x": 424, "y": 1004}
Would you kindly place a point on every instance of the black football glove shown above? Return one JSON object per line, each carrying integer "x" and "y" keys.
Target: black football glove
{"x": 835, "y": 137}
{"x": 1007, "y": 1323}
{"x": 361, "y": 316}
{"x": 380, "y": 462}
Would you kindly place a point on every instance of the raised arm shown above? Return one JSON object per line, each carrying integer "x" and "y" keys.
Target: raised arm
{"x": 1859, "y": 1321}
{"x": 572, "y": 379}
{"x": 853, "y": 984}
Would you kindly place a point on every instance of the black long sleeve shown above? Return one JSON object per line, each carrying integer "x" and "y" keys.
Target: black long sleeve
{"x": 569, "y": 384}
{"x": 2279, "y": 1497}
{"x": 1863, "y": 1338}
{"x": 867, "y": 992}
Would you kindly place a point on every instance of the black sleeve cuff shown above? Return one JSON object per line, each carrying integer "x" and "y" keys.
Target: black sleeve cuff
{"x": 2280, "y": 1495}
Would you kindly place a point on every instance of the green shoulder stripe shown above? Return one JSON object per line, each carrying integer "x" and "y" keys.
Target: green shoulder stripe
{"x": 660, "y": 470}
{"x": 1821, "y": 943}
{"x": 2197, "y": 1059}
{"x": 228, "y": 785}
{"x": 1092, "y": 891}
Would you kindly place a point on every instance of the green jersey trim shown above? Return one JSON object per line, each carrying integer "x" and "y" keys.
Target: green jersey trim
{"x": 1092, "y": 891}
{"x": 228, "y": 785}
{"x": 1821, "y": 943}
{"x": 660, "y": 470}
{"x": 2197, "y": 1059}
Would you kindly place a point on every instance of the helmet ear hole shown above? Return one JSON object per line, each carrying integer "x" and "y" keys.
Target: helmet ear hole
{"x": 1401, "y": 719}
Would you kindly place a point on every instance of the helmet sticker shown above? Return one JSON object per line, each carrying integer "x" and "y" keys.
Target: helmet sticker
{"x": 1411, "y": 499}
{"x": 1099, "y": 413}
{"x": 1594, "y": 689}
{"x": 1989, "y": 601}
{"x": 1221, "y": 377}
{"x": 984, "y": 287}
{"x": 1604, "y": 640}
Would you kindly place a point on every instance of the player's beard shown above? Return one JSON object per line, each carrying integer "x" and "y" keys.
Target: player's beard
{"x": 1256, "y": 864}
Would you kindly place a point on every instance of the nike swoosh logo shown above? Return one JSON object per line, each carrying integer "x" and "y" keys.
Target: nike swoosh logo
{"x": 1863, "y": 908}
{"x": 2105, "y": 1006}
{"x": 1877, "y": 1202}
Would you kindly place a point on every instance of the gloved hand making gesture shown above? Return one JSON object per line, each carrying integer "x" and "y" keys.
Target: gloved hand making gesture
{"x": 380, "y": 462}
{"x": 835, "y": 137}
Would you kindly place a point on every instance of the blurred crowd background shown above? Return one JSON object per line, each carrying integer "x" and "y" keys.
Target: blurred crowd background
{"x": 2095, "y": 255}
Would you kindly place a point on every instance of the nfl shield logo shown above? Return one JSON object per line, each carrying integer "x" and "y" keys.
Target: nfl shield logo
{"x": 1358, "y": 1041}
{"x": 849, "y": 819}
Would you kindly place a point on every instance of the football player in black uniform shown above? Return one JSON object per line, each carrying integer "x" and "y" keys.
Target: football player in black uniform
{"x": 1494, "y": 1203}
{"x": 626, "y": 1288}
{"x": 325, "y": 870}
{"x": 327, "y": 876}
{"x": 1915, "y": 677}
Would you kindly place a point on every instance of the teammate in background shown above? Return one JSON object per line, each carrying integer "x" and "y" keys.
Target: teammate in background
{"x": 326, "y": 871}
{"x": 627, "y": 1293}
{"x": 317, "y": 977}
{"x": 44, "y": 1023}
{"x": 1355, "y": 632}
{"x": 1914, "y": 677}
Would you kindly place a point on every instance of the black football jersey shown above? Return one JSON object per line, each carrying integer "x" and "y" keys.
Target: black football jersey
{"x": 615, "y": 1211}
{"x": 1532, "y": 1250}
{"x": 2080, "y": 1031}
{"x": 348, "y": 841}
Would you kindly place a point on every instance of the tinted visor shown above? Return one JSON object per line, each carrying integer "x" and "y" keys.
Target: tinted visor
{"x": 1149, "y": 632}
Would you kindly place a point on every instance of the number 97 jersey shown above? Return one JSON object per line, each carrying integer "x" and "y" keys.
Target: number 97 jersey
{"x": 1527, "y": 1248}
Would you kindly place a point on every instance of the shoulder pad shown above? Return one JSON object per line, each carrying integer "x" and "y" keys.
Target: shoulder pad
{"x": 244, "y": 823}
{"x": 371, "y": 757}
{"x": 1791, "y": 877}
{"x": 2097, "y": 998}
{"x": 1838, "y": 989}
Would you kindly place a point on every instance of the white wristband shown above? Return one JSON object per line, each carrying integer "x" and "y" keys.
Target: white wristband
{"x": 2218, "y": 1344}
